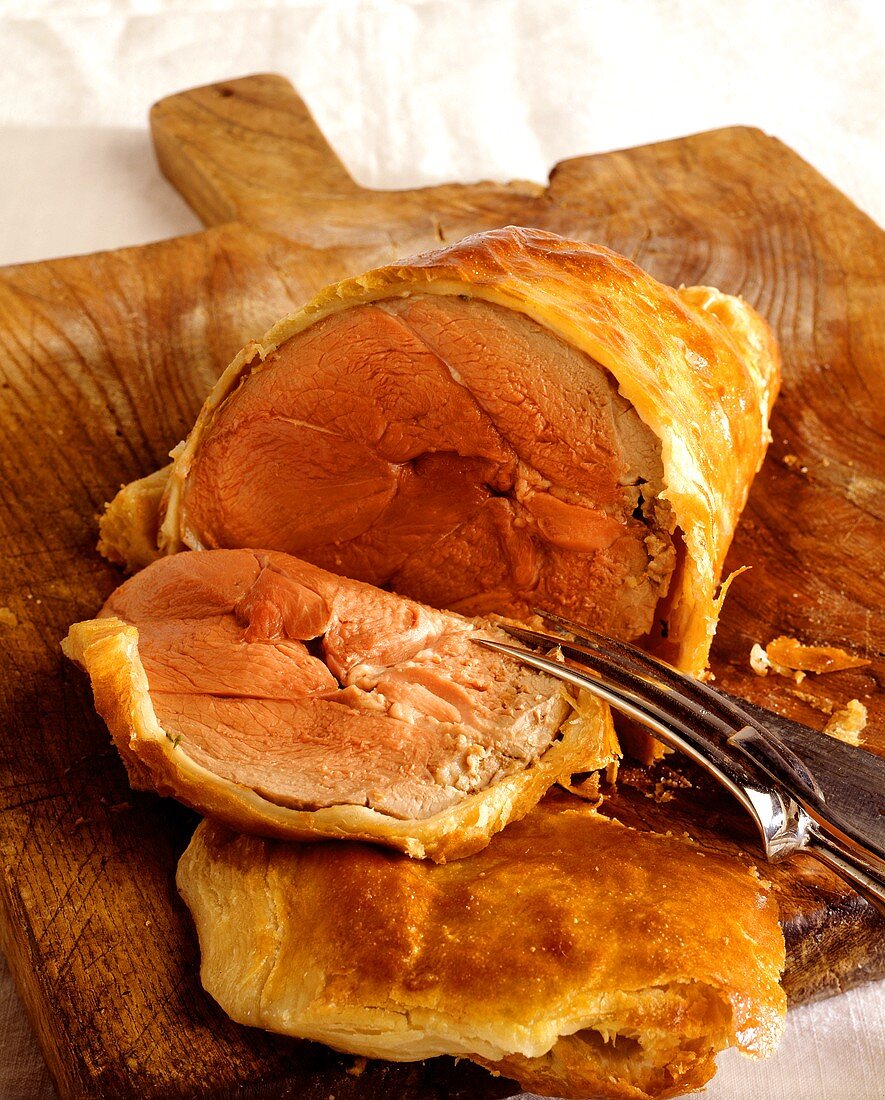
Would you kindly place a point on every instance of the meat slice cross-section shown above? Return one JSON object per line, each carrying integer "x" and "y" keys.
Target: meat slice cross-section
{"x": 289, "y": 701}
{"x": 449, "y": 449}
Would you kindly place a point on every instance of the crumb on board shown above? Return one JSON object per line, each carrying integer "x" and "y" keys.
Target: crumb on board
{"x": 761, "y": 663}
{"x": 660, "y": 787}
{"x": 8, "y": 617}
{"x": 789, "y": 657}
{"x": 848, "y": 723}
{"x": 823, "y": 705}
{"x": 793, "y": 462}
{"x": 670, "y": 780}
{"x": 358, "y": 1067}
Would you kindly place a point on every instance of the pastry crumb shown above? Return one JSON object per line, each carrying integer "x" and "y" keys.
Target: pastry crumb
{"x": 358, "y": 1067}
{"x": 8, "y": 617}
{"x": 848, "y": 723}
{"x": 793, "y": 462}
{"x": 584, "y": 785}
{"x": 790, "y": 657}
{"x": 823, "y": 705}
{"x": 759, "y": 661}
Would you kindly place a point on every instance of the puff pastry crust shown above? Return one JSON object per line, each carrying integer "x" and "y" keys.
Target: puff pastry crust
{"x": 577, "y": 955}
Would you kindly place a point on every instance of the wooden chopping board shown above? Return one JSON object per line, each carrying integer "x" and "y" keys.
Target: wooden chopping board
{"x": 106, "y": 361}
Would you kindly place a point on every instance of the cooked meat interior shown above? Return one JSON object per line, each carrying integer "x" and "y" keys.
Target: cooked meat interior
{"x": 313, "y": 691}
{"x": 450, "y": 449}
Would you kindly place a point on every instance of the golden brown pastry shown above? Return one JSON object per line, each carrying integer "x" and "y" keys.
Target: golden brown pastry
{"x": 514, "y": 421}
{"x": 578, "y": 956}
{"x": 290, "y": 702}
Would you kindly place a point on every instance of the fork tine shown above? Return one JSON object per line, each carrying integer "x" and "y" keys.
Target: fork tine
{"x": 719, "y": 710}
{"x": 670, "y": 704}
{"x": 632, "y": 658}
{"x": 625, "y": 660}
{"x": 612, "y": 646}
{"x": 603, "y": 657}
{"x": 592, "y": 679}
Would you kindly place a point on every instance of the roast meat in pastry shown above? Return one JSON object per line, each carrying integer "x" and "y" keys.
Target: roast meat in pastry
{"x": 285, "y": 700}
{"x": 580, "y": 957}
{"x": 514, "y": 421}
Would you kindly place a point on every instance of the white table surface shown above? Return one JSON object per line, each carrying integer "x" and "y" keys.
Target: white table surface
{"x": 413, "y": 92}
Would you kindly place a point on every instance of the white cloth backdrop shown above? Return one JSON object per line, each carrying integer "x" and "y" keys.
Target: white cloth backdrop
{"x": 413, "y": 92}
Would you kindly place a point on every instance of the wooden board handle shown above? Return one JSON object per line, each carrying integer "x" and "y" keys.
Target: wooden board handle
{"x": 248, "y": 150}
{"x": 237, "y": 148}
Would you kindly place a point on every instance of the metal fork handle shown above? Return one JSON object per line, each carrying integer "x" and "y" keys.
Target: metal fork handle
{"x": 784, "y": 824}
{"x": 855, "y": 781}
{"x": 851, "y": 867}
{"x": 780, "y": 821}
{"x": 719, "y": 710}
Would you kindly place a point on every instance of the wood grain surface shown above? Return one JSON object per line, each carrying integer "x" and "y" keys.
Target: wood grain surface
{"x": 106, "y": 360}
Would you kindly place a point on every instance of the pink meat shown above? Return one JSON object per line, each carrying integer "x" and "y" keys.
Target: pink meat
{"x": 452, "y": 450}
{"x": 315, "y": 690}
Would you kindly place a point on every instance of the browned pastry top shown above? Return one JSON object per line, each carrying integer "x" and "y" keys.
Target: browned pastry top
{"x": 568, "y": 942}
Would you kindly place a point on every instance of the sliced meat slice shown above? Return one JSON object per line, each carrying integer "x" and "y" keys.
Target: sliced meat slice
{"x": 289, "y": 701}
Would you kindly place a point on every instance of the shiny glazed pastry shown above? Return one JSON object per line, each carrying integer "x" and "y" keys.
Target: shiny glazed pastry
{"x": 580, "y": 957}
{"x": 514, "y": 421}
{"x": 290, "y": 702}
